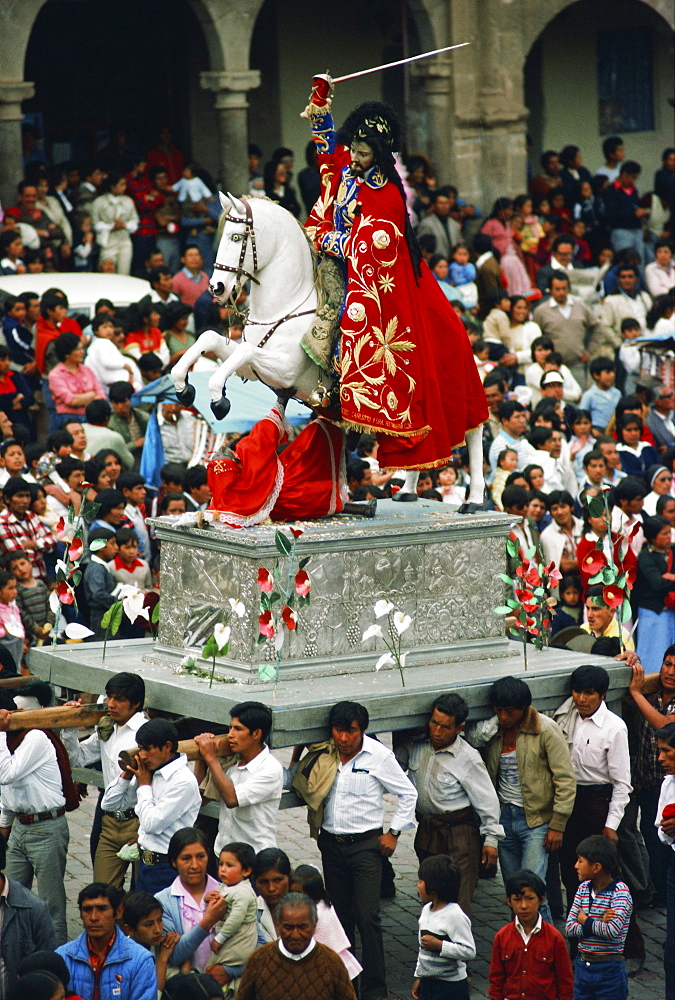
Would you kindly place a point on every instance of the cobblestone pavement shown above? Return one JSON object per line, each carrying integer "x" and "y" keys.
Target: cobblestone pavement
{"x": 399, "y": 915}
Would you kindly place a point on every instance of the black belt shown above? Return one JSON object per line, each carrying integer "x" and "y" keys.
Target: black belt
{"x": 120, "y": 814}
{"x": 590, "y": 957}
{"x": 27, "y": 819}
{"x": 152, "y": 858}
{"x": 353, "y": 838}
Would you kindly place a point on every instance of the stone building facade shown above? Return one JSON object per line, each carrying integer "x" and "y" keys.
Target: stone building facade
{"x": 245, "y": 68}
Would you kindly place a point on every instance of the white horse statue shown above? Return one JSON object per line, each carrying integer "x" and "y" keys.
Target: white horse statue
{"x": 272, "y": 252}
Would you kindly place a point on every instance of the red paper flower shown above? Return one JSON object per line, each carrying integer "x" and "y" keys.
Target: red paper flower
{"x": 296, "y": 532}
{"x": 533, "y": 579}
{"x": 265, "y": 580}
{"x": 266, "y": 625}
{"x": 527, "y": 599}
{"x": 595, "y": 561}
{"x": 613, "y": 596}
{"x": 553, "y": 573}
{"x": 65, "y": 592}
{"x": 75, "y": 550}
{"x": 289, "y": 618}
{"x": 302, "y": 583}
{"x": 60, "y": 526}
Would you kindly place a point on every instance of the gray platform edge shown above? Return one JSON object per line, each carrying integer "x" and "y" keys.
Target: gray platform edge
{"x": 300, "y": 707}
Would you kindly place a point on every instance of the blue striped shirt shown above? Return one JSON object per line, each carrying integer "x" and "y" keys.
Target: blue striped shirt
{"x": 597, "y": 935}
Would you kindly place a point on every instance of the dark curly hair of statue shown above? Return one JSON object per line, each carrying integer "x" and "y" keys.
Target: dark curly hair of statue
{"x": 381, "y": 128}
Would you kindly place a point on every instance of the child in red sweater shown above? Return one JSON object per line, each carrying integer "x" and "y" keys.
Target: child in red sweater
{"x": 529, "y": 956}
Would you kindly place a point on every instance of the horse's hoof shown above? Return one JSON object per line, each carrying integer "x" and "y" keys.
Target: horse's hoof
{"x": 472, "y": 508}
{"x": 360, "y": 508}
{"x": 220, "y": 407}
{"x": 404, "y": 497}
{"x": 186, "y": 396}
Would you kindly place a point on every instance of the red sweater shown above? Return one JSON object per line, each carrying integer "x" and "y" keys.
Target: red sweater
{"x": 539, "y": 970}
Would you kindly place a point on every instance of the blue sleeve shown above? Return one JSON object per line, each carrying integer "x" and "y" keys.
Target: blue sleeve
{"x": 144, "y": 986}
{"x": 323, "y": 131}
{"x": 189, "y": 942}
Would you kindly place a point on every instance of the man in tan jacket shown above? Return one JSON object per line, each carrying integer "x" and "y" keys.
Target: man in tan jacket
{"x": 529, "y": 764}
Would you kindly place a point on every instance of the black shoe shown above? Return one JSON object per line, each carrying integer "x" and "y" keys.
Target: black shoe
{"x": 404, "y": 497}
{"x": 387, "y": 891}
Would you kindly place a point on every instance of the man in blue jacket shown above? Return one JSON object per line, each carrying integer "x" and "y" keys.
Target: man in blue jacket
{"x": 26, "y": 923}
{"x": 624, "y": 212}
{"x": 103, "y": 962}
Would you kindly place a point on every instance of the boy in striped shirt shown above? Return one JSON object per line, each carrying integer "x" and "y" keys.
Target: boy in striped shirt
{"x": 598, "y": 920}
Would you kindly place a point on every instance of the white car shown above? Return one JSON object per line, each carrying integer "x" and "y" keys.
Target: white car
{"x": 82, "y": 290}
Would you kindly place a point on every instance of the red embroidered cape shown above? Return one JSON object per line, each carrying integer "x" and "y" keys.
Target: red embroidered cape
{"x": 407, "y": 370}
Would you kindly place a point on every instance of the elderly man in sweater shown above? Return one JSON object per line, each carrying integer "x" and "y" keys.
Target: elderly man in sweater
{"x": 296, "y": 965}
{"x": 576, "y": 332}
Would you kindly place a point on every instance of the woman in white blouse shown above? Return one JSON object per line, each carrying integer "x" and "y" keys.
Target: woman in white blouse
{"x": 522, "y": 332}
{"x": 115, "y": 218}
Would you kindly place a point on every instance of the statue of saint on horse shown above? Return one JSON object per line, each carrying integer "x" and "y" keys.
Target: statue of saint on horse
{"x": 401, "y": 362}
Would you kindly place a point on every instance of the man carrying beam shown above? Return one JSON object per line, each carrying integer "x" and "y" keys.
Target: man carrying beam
{"x": 125, "y": 696}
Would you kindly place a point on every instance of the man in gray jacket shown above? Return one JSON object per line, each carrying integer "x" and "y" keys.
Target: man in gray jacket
{"x": 26, "y": 923}
{"x": 576, "y": 332}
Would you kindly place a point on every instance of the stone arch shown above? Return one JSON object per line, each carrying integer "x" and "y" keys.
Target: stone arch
{"x": 538, "y": 14}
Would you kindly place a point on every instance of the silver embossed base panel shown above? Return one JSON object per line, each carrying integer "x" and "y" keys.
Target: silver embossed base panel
{"x": 440, "y": 568}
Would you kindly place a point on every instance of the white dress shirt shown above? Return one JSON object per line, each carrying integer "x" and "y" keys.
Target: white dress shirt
{"x": 555, "y": 539}
{"x": 259, "y": 785}
{"x": 599, "y": 753}
{"x": 524, "y": 934}
{"x": 355, "y": 802}
{"x": 94, "y": 749}
{"x": 30, "y": 777}
{"x": 168, "y": 804}
{"x": 296, "y": 958}
{"x": 450, "y": 779}
{"x": 666, "y": 797}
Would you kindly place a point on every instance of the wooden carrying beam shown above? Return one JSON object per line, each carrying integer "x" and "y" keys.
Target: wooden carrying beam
{"x": 188, "y": 747}
{"x": 16, "y": 682}
{"x": 59, "y": 717}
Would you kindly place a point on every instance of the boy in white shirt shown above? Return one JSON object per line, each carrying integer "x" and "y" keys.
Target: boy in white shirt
{"x": 104, "y": 358}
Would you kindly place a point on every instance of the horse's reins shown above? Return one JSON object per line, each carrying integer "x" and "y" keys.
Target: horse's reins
{"x": 240, "y": 270}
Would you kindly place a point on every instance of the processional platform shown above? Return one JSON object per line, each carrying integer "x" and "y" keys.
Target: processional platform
{"x": 440, "y": 568}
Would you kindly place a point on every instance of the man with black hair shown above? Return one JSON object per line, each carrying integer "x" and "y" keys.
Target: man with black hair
{"x": 102, "y": 961}
{"x": 513, "y": 419}
{"x": 488, "y": 273}
{"x": 529, "y": 764}
{"x": 26, "y": 926}
{"x": 98, "y": 583}
{"x": 352, "y": 841}
{"x": 601, "y": 620}
{"x": 629, "y": 498}
{"x": 559, "y": 541}
{"x": 32, "y": 817}
{"x": 125, "y": 696}
{"x": 126, "y": 420}
{"x": 359, "y": 474}
{"x": 21, "y": 529}
{"x": 250, "y": 788}
{"x": 99, "y": 435}
{"x": 164, "y": 794}
{"x": 457, "y": 806}
{"x": 395, "y": 340}
{"x": 614, "y": 152}
{"x": 494, "y": 388}
{"x": 624, "y": 212}
{"x": 132, "y": 487}
{"x": 626, "y": 303}
{"x": 196, "y": 489}
{"x": 562, "y": 254}
{"x": 576, "y": 332}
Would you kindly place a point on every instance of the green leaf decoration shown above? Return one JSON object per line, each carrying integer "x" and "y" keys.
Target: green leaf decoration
{"x": 98, "y": 543}
{"x": 275, "y": 597}
{"x": 112, "y": 619}
{"x": 224, "y": 651}
{"x": 512, "y": 604}
{"x": 626, "y": 611}
{"x": 621, "y": 581}
{"x": 154, "y": 617}
{"x": 512, "y": 547}
{"x": 267, "y": 672}
{"x": 89, "y": 510}
{"x": 265, "y": 602}
{"x": 596, "y": 578}
{"x": 210, "y": 648}
{"x": 76, "y": 577}
{"x": 539, "y": 592}
{"x": 506, "y": 579}
{"x": 261, "y": 639}
{"x": 623, "y": 549}
{"x": 530, "y": 552}
{"x": 282, "y": 543}
{"x": 502, "y": 610}
{"x": 596, "y": 507}
{"x": 303, "y": 562}
{"x": 608, "y": 575}
{"x": 71, "y": 513}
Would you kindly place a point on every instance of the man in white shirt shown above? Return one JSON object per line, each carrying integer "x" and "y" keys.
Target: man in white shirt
{"x": 125, "y": 696}
{"x": 513, "y": 420}
{"x": 665, "y": 741}
{"x": 32, "y": 816}
{"x": 457, "y": 805}
{"x": 352, "y": 841}
{"x": 598, "y": 744}
{"x": 559, "y": 541}
{"x": 163, "y": 792}
{"x": 627, "y": 303}
{"x": 250, "y": 789}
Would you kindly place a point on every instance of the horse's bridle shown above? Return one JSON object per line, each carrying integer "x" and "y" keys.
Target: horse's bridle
{"x": 249, "y": 233}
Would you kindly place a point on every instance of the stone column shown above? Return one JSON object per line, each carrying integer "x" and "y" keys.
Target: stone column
{"x": 231, "y": 89}
{"x": 435, "y": 75}
{"x": 12, "y": 93}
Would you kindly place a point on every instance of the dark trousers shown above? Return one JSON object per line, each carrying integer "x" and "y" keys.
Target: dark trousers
{"x": 659, "y": 853}
{"x": 457, "y": 836}
{"x": 600, "y": 980}
{"x": 154, "y": 878}
{"x": 669, "y": 951}
{"x": 444, "y": 989}
{"x": 352, "y": 873}
{"x": 588, "y": 819}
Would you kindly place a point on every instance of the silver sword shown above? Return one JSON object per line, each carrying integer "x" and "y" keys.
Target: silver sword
{"x": 399, "y": 62}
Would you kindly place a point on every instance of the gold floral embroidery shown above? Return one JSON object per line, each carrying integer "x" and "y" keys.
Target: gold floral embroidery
{"x": 388, "y": 345}
{"x": 386, "y": 282}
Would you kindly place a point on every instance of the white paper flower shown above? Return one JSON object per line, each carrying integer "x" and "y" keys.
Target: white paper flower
{"x": 401, "y": 621}
{"x": 382, "y": 608}
{"x": 132, "y": 601}
{"x": 403, "y": 657}
{"x": 54, "y": 602}
{"x": 385, "y": 660}
{"x": 371, "y": 631}
{"x": 76, "y": 631}
{"x": 60, "y": 565}
{"x": 356, "y": 312}
{"x": 238, "y": 607}
{"x": 221, "y": 634}
{"x": 279, "y": 639}
{"x": 380, "y": 239}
